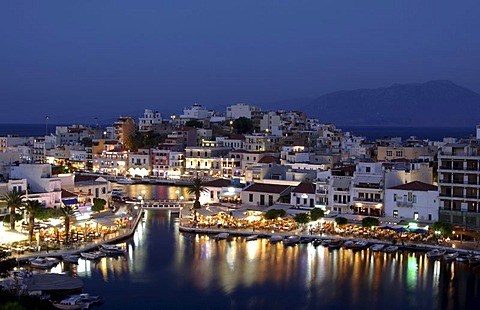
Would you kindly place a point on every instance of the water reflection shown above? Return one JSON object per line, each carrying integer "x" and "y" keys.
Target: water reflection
{"x": 185, "y": 270}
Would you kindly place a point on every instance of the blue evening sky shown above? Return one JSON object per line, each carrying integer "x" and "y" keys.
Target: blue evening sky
{"x": 78, "y": 60}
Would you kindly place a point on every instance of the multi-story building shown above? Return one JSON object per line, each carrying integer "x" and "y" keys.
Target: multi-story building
{"x": 459, "y": 183}
{"x": 10, "y": 141}
{"x": 410, "y": 152}
{"x": 149, "y": 120}
{"x": 367, "y": 188}
{"x": 271, "y": 123}
{"x": 139, "y": 163}
{"x": 262, "y": 142}
{"x": 194, "y": 112}
{"x": 124, "y": 128}
{"x": 241, "y": 110}
{"x": 205, "y": 160}
{"x": 113, "y": 162}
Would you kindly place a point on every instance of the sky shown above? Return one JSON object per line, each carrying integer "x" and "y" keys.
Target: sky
{"x": 80, "y": 61}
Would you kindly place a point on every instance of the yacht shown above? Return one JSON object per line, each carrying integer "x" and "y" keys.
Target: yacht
{"x": 43, "y": 262}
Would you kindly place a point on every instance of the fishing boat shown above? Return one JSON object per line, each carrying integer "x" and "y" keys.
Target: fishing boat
{"x": 251, "y": 238}
{"x": 377, "y": 247}
{"x": 437, "y": 253}
{"x": 391, "y": 249}
{"x": 111, "y": 249}
{"x": 43, "y": 262}
{"x": 92, "y": 255}
{"x": 221, "y": 236}
{"x": 275, "y": 239}
{"x": 450, "y": 256}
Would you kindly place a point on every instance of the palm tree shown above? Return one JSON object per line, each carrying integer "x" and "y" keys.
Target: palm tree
{"x": 67, "y": 214}
{"x": 33, "y": 207}
{"x": 196, "y": 188}
{"x": 14, "y": 200}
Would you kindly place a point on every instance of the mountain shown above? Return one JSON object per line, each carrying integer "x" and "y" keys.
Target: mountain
{"x": 437, "y": 103}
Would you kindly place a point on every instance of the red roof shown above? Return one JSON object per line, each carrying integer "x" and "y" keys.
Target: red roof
{"x": 269, "y": 160}
{"x": 305, "y": 188}
{"x": 218, "y": 183}
{"x": 266, "y": 188}
{"x": 416, "y": 186}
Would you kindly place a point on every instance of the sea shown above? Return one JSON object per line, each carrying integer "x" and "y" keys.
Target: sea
{"x": 167, "y": 269}
{"x": 370, "y": 132}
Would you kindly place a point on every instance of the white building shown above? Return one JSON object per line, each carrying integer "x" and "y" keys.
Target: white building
{"x": 139, "y": 163}
{"x": 415, "y": 200}
{"x": 238, "y": 110}
{"x": 271, "y": 123}
{"x": 261, "y": 142}
{"x": 195, "y": 112}
{"x": 303, "y": 196}
{"x": 149, "y": 119}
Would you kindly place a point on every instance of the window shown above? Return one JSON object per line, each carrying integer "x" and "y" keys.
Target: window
{"x": 399, "y": 153}
{"x": 368, "y": 169}
{"x": 270, "y": 200}
{"x": 389, "y": 153}
{"x": 414, "y": 198}
{"x": 250, "y": 197}
{"x": 415, "y": 216}
{"x": 262, "y": 200}
{"x": 410, "y": 196}
{"x": 395, "y": 213}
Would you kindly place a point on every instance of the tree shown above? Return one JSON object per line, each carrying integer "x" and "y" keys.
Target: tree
{"x": 445, "y": 229}
{"x": 6, "y": 264}
{"x": 243, "y": 125}
{"x": 370, "y": 221}
{"x": 98, "y": 204}
{"x": 274, "y": 213}
{"x": 196, "y": 188}
{"x": 302, "y": 218}
{"x": 316, "y": 213}
{"x": 341, "y": 220}
{"x": 67, "y": 214}
{"x": 14, "y": 200}
{"x": 33, "y": 207}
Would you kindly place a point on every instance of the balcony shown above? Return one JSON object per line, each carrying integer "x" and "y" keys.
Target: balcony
{"x": 372, "y": 200}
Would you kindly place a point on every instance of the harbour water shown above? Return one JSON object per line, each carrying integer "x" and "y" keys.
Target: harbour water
{"x": 166, "y": 269}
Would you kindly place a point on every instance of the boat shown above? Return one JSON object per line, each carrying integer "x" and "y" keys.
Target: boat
{"x": 221, "y": 236}
{"x": 316, "y": 242}
{"x": 474, "y": 260}
{"x": 87, "y": 298}
{"x": 291, "y": 240}
{"x": 437, "y": 253}
{"x": 391, "y": 249}
{"x": 92, "y": 255}
{"x": 335, "y": 244}
{"x": 275, "y": 239}
{"x": 450, "y": 256}
{"x": 111, "y": 249}
{"x": 43, "y": 262}
{"x": 377, "y": 247}
{"x": 348, "y": 244}
{"x": 306, "y": 240}
{"x": 461, "y": 259}
{"x": 71, "y": 258}
{"x": 71, "y": 303}
{"x": 359, "y": 245}
{"x": 251, "y": 238}
{"x": 125, "y": 181}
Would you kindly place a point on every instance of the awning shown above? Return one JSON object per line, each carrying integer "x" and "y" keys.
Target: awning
{"x": 70, "y": 201}
{"x": 341, "y": 183}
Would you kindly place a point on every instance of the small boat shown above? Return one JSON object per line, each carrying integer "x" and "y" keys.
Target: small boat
{"x": 326, "y": 242}
{"x": 306, "y": 240}
{"x": 316, "y": 242}
{"x": 87, "y": 298}
{"x": 335, "y": 244}
{"x": 437, "y": 253}
{"x": 71, "y": 258}
{"x": 111, "y": 249}
{"x": 474, "y": 260}
{"x": 43, "y": 262}
{"x": 275, "y": 239}
{"x": 461, "y": 259}
{"x": 450, "y": 256}
{"x": 251, "y": 238}
{"x": 391, "y": 249}
{"x": 348, "y": 244}
{"x": 291, "y": 240}
{"x": 71, "y": 303}
{"x": 377, "y": 247}
{"x": 93, "y": 255}
{"x": 221, "y": 236}
{"x": 359, "y": 245}
{"x": 125, "y": 181}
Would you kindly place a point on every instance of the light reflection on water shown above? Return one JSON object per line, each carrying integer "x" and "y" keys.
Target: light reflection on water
{"x": 168, "y": 269}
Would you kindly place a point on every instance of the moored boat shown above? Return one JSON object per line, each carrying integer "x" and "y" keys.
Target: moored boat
{"x": 335, "y": 244}
{"x": 377, "y": 247}
{"x": 275, "y": 239}
{"x": 461, "y": 259}
{"x": 70, "y": 303}
{"x": 348, "y": 244}
{"x": 450, "y": 256}
{"x": 474, "y": 260}
{"x": 437, "y": 253}
{"x": 43, "y": 262}
{"x": 251, "y": 238}
{"x": 92, "y": 255}
{"x": 111, "y": 249}
{"x": 124, "y": 181}
{"x": 221, "y": 236}
{"x": 291, "y": 240}
{"x": 391, "y": 249}
{"x": 316, "y": 242}
{"x": 71, "y": 258}
{"x": 359, "y": 245}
